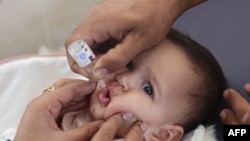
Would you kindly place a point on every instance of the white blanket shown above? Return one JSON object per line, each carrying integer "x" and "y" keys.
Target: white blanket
{"x": 25, "y": 78}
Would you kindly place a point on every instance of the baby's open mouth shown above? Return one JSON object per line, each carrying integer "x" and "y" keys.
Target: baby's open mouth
{"x": 104, "y": 97}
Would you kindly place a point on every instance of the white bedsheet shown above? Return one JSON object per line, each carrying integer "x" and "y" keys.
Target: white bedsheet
{"x": 23, "y": 79}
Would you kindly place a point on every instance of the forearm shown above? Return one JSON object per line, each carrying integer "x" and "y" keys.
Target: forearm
{"x": 172, "y": 9}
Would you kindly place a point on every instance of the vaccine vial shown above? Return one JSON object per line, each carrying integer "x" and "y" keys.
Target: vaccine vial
{"x": 84, "y": 57}
{"x": 81, "y": 53}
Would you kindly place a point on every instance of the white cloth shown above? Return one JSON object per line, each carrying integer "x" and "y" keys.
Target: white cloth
{"x": 201, "y": 133}
{"x": 8, "y": 134}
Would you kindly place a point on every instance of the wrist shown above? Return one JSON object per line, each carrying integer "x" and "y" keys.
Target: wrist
{"x": 180, "y": 6}
{"x": 183, "y": 5}
{"x": 172, "y": 9}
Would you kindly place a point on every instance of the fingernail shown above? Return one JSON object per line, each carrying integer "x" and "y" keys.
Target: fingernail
{"x": 100, "y": 73}
{"x": 127, "y": 116}
{"x": 144, "y": 126}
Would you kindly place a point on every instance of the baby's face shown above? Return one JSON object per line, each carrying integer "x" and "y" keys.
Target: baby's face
{"x": 153, "y": 87}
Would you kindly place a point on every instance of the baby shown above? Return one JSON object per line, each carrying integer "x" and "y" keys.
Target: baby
{"x": 171, "y": 87}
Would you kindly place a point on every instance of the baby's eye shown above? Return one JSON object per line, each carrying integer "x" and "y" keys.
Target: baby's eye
{"x": 148, "y": 88}
{"x": 130, "y": 65}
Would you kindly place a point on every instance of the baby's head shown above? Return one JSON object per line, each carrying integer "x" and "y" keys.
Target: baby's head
{"x": 171, "y": 87}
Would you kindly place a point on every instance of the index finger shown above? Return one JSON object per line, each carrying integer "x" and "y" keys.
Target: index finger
{"x": 63, "y": 96}
{"x": 123, "y": 52}
{"x": 135, "y": 133}
{"x": 68, "y": 93}
{"x": 237, "y": 102}
{"x": 108, "y": 130}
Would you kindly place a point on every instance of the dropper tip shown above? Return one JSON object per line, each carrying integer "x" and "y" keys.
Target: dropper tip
{"x": 102, "y": 83}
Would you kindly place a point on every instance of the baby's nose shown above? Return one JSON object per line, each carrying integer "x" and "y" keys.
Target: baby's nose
{"x": 122, "y": 81}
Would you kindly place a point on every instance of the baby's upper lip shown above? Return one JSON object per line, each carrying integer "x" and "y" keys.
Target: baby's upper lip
{"x": 110, "y": 91}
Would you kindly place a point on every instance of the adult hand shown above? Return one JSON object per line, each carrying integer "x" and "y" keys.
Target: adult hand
{"x": 110, "y": 127}
{"x": 240, "y": 113}
{"x": 136, "y": 24}
{"x": 39, "y": 122}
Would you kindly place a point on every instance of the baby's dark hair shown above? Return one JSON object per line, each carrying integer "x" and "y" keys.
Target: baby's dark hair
{"x": 212, "y": 78}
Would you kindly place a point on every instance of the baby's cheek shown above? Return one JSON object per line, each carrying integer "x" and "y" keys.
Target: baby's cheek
{"x": 96, "y": 112}
{"x": 124, "y": 103}
{"x": 111, "y": 110}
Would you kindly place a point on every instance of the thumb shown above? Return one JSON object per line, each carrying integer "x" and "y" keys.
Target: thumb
{"x": 117, "y": 58}
{"x": 136, "y": 132}
{"x": 85, "y": 132}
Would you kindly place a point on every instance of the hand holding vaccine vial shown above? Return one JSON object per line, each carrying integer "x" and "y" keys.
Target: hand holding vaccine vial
{"x": 84, "y": 56}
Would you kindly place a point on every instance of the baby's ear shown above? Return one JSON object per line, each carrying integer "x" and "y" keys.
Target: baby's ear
{"x": 169, "y": 133}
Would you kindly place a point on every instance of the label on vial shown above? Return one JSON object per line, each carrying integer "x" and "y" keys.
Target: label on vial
{"x": 81, "y": 53}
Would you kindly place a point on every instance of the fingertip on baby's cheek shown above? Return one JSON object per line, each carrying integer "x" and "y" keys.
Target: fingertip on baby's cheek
{"x": 127, "y": 116}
